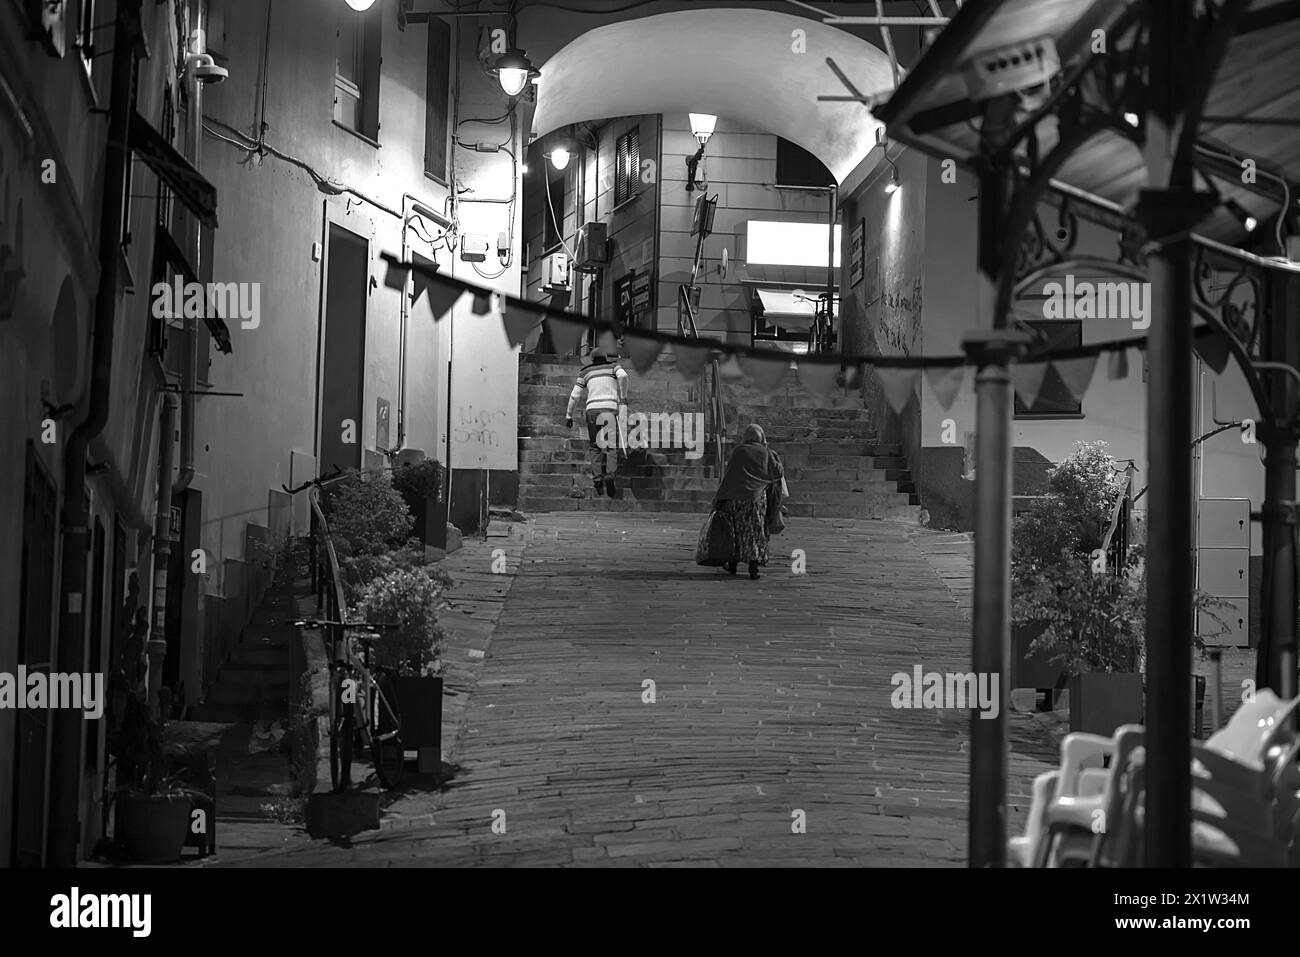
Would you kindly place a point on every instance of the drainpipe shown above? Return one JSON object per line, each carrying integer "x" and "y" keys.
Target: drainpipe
{"x": 193, "y": 147}
{"x": 162, "y": 547}
{"x": 66, "y": 746}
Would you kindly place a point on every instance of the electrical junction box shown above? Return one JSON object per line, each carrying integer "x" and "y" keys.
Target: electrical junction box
{"x": 1021, "y": 66}
{"x": 555, "y": 271}
{"x": 473, "y": 248}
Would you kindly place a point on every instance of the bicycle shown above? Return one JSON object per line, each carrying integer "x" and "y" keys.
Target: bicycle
{"x": 363, "y": 704}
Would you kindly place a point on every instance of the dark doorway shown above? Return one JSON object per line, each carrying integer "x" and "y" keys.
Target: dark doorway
{"x": 345, "y": 346}
{"x": 35, "y": 647}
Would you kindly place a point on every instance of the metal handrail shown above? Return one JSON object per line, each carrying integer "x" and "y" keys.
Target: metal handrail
{"x": 329, "y": 578}
{"x": 1114, "y": 545}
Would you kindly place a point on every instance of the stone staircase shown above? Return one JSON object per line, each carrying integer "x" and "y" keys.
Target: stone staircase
{"x": 253, "y": 683}
{"x": 835, "y": 467}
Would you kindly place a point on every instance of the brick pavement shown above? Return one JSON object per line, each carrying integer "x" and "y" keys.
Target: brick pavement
{"x": 771, "y": 698}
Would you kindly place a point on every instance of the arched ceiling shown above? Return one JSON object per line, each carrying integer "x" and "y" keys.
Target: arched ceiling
{"x": 737, "y": 64}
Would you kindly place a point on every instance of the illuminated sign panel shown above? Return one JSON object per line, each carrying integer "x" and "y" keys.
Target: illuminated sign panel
{"x": 788, "y": 244}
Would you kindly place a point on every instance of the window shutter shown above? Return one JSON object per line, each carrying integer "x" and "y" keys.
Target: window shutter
{"x": 633, "y": 161}
{"x": 620, "y": 172}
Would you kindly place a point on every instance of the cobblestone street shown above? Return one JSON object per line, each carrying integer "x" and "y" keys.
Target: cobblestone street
{"x": 771, "y": 697}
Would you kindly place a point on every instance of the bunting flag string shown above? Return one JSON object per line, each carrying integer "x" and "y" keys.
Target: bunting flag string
{"x": 944, "y": 373}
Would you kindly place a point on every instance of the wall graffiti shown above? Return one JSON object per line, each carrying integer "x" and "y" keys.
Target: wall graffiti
{"x": 900, "y": 318}
{"x": 478, "y": 427}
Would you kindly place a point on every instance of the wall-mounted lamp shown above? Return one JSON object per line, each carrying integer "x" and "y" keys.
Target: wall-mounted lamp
{"x": 514, "y": 70}
{"x": 361, "y": 6}
{"x": 893, "y": 186}
{"x": 559, "y": 157}
{"x": 702, "y": 126}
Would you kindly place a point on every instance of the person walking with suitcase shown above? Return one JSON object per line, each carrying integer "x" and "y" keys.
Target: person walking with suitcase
{"x": 605, "y": 383}
{"x": 743, "y": 497}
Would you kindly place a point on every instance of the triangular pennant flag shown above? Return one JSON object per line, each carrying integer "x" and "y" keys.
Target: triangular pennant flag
{"x": 819, "y": 378}
{"x": 1117, "y": 365}
{"x": 1076, "y": 374}
{"x": 690, "y": 359}
{"x": 519, "y": 323}
{"x": 442, "y": 295}
{"x": 899, "y": 385}
{"x": 565, "y": 334}
{"x": 852, "y": 377}
{"x": 608, "y": 344}
{"x": 730, "y": 369}
{"x": 1213, "y": 350}
{"x": 423, "y": 283}
{"x": 395, "y": 275}
{"x": 766, "y": 373}
{"x": 1028, "y": 380}
{"x": 643, "y": 351}
{"x": 482, "y": 303}
{"x": 945, "y": 382}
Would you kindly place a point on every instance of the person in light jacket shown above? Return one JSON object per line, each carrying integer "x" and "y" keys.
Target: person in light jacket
{"x": 604, "y": 382}
{"x": 742, "y": 497}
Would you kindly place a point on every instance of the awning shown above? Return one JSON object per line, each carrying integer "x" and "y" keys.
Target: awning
{"x": 189, "y": 185}
{"x": 784, "y": 304}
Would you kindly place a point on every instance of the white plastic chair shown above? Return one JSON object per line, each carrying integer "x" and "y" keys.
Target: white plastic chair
{"x": 1245, "y": 792}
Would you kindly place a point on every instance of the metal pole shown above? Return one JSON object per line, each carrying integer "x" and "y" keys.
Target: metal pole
{"x": 1169, "y": 214}
{"x": 991, "y": 348}
{"x": 1275, "y": 664}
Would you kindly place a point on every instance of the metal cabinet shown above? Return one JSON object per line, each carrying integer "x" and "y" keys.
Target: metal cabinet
{"x": 1223, "y": 568}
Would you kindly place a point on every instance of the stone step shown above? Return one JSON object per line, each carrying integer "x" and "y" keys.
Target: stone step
{"x": 260, "y": 654}
{"x": 695, "y": 468}
{"x": 224, "y": 693}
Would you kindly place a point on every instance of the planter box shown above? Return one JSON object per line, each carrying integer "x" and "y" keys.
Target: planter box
{"x": 154, "y": 827}
{"x": 1102, "y": 701}
{"x": 419, "y": 703}
{"x": 1031, "y": 670}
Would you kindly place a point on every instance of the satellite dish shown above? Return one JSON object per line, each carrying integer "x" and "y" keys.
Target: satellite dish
{"x": 722, "y": 268}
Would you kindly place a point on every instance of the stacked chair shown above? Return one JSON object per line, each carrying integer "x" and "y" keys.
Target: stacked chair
{"x": 1245, "y": 796}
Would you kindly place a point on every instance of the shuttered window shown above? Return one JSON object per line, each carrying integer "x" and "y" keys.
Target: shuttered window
{"x": 437, "y": 100}
{"x": 628, "y": 166}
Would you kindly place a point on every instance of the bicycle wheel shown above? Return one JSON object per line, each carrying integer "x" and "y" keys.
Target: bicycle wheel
{"x": 342, "y": 731}
{"x": 386, "y": 732}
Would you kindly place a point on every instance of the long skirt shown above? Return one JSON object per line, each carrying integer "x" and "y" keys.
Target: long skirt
{"x": 749, "y": 528}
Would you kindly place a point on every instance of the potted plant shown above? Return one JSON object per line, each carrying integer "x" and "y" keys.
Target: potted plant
{"x": 420, "y": 484}
{"x": 406, "y": 602}
{"x": 153, "y": 812}
{"x": 1090, "y": 619}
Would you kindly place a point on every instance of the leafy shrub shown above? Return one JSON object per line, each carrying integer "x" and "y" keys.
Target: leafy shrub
{"x": 1094, "y": 621}
{"x": 367, "y": 516}
{"x": 420, "y": 481}
{"x": 409, "y": 600}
